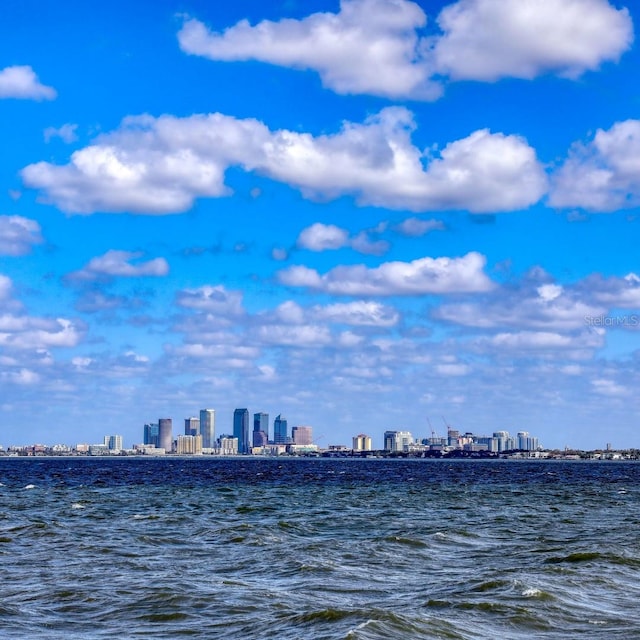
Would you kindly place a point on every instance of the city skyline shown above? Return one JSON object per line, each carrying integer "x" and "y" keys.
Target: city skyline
{"x": 357, "y": 212}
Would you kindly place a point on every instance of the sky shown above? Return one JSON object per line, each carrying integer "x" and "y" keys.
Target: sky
{"x": 362, "y": 215}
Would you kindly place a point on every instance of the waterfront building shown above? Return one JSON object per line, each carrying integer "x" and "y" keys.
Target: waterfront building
{"x": 208, "y": 427}
{"x": 189, "y": 445}
{"x": 280, "y": 430}
{"x": 191, "y": 426}
{"x": 151, "y": 434}
{"x": 113, "y": 443}
{"x": 227, "y": 445}
{"x": 241, "y": 429}
{"x": 302, "y": 435}
{"x": 398, "y": 441}
{"x": 260, "y": 429}
{"x": 362, "y": 442}
{"x": 165, "y": 433}
{"x": 526, "y": 442}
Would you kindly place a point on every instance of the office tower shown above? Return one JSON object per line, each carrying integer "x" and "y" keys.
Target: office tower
{"x": 165, "y": 426}
{"x": 260, "y": 429}
{"x": 302, "y": 435}
{"x": 191, "y": 426}
{"x": 280, "y": 430}
{"x": 362, "y": 442}
{"x": 152, "y": 434}
{"x": 241, "y": 429}
{"x": 208, "y": 427}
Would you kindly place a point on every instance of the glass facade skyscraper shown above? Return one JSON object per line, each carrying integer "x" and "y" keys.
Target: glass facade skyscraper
{"x": 260, "y": 429}
{"x": 241, "y": 429}
{"x": 208, "y": 427}
{"x": 280, "y": 430}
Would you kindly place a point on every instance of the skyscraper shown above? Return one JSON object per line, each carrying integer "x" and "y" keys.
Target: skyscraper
{"x": 260, "y": 429}
{"x": 362, "y": 442}
{"x": 152, "y": 434}
{"x": 241, "y": 429}
{"x": 191, "y": 426}
{"x": 165, "y": 426}
{"x": 280, "y": 430}
{"x": 302, "y": 435}
{"x": 208, "y": 427}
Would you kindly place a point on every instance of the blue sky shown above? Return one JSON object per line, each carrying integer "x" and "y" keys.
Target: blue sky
{"x": 360, "y": 215}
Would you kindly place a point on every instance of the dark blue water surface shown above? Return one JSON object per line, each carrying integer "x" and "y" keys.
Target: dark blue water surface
{"x": 318, "y": 549}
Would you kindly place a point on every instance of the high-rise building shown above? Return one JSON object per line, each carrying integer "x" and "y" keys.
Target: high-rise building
{"x": 228, "y": 445}
{"x": 302, "y": 435}
{"x": 280, "y": 430}
{"x": 152, "y": 434}
{"x": 189, "y": 445}
{"x": 397, "y": 441}
{"x": 208, "y": 427}
{"x": 113, "y": 443}
{"x": 260, "y": 429}
{"x": 165, "y": 433}
{"x": 362, "y": 442}
{"x": 191, "y": 426}
{"x": 241, "y": 429}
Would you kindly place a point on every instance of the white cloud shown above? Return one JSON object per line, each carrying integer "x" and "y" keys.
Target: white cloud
{"x": 295, "y": 336}
{"x": 24, "y": 332}
{"x": 323, "y": 237}
{"x": 67, "y": 133}
{"x": 24, "y": 377}
{"x": 453, "y": 369}
{"x": 119, "y": 264}
{"x": 415, "y": 227}
{"x": 161, "y": 165}
{"x": 18, "y": 235}
{"x": 614, "y": 292}
{"x": 370, "y": 46}
{"x": 422, "y": 276}
{"x": 379, "y": 47}
{"x": 603, "y": 175}
{"x": 214, "y": 299}
{"x": 607, "y": 387}
{"x": 22, "y": 82}
{"x": 358, "y": 313}
{"x": 487, "y": 40}
{"x": 320, "y": 237}
{"x": 550, "y": 341}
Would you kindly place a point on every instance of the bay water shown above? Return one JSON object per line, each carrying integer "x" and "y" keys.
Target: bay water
{"x": 329, "y": 549}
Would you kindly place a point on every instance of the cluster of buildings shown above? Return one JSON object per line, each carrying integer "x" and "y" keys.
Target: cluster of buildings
{"x": 200, "y": 436}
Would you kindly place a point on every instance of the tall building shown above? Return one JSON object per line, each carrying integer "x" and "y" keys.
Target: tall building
{"x": 152, "y": 434}
{"x": 302, "y": 435}
{"x": 362, "y": 442}
{"x": 191, "y": 426}
{"x": 260, "y": 429}
{"x": 165, "y": 435}
{"x": 208, "y": 427}
{"x": 228, "y": 445}
{"x": 189, "y": 445}
{"x": 280, "y": 430}
{"x": 398, "y": 441}
{"x": 241, "y": 429}
{"x": 113, "y": 443}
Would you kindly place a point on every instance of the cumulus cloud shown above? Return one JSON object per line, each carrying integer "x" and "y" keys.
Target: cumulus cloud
{"x": 322, "y": 237}
{"x": 528, "y": 305}
{"x": 29, "y": 333}
{"x": 67, "y": 133}
{"x": 213, "y": 299}
{"x": 22, "y": 82}
{"x": 379, "y": 47}
{"x": 119, "y": 264}
{"x": 488, "y": 40}
{"x": 577, "y": 344}
{"x": 370, "y": 46}
{"x": 161, "y": 165}
{"x": 18, "y": 235}
{"x": 363, "y": 313}
{"x": 602, "y": 175}
{"x": 422, "y": 276}
{"x": 614, "y": 292}
{"x": 416, "y": 227}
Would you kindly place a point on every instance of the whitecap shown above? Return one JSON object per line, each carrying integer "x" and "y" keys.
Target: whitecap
{"x": 30, "y": 486}
{"x": 531, "y": 592}
{"x": 77, "y": 505}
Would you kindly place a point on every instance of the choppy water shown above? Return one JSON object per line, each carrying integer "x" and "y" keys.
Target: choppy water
{"x": 318, "y": 549}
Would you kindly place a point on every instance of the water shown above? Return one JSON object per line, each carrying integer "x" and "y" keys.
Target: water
{"x": 318, "y": 549}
